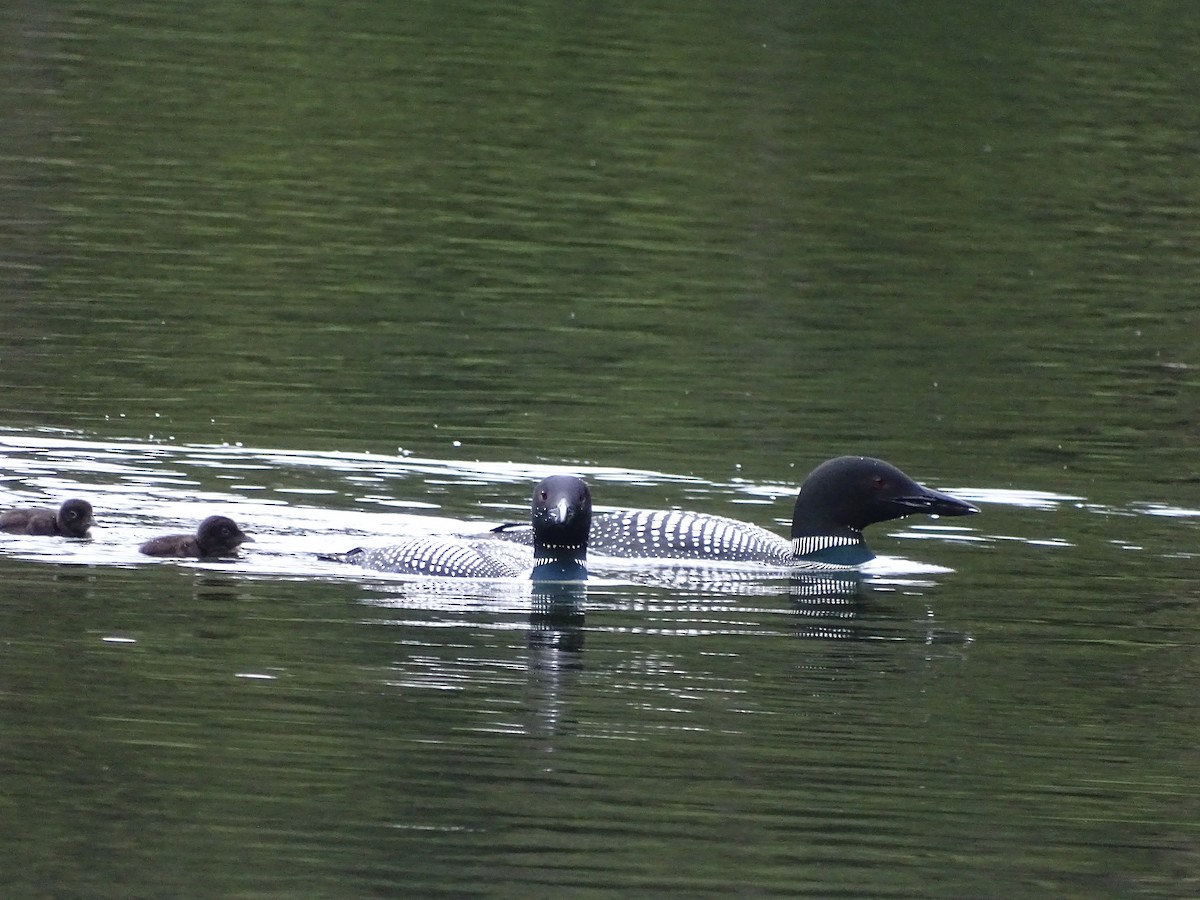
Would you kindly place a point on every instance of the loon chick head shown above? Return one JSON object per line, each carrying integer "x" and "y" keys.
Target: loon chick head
{"x": 219, "y": 535}
{"x": 74, "y": 518}
{"x": 842, "y": 496}
{"x": 561, "y": 513}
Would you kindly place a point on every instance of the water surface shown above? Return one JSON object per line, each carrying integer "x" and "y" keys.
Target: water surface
{"x": 347, "y": 276}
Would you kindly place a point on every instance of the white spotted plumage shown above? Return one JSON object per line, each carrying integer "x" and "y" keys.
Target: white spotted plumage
{"x": 560, "y": 511}
{"x": 674, "y": 534}
{"x": 684, "y": 535}
{"x": 446, "y": 557}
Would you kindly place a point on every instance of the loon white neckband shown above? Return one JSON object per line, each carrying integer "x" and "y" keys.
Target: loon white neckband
{"x": 814, "y": 543}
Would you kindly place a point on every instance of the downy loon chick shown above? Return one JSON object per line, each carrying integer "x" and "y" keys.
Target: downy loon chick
{"x": 837, "y": 500}
{"x": 72, "y": 519}
{"x": 217, "y": 536}
{"x": 560, "y": 515}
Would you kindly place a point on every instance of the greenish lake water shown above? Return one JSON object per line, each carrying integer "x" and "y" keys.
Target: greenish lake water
{"x": 352, "y": 272}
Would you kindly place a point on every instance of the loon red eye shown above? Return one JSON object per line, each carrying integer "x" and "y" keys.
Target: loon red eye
{"x": 545, "y": 495}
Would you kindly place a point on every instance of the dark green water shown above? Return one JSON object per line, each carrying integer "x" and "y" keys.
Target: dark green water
{"x": 355, "y": 271}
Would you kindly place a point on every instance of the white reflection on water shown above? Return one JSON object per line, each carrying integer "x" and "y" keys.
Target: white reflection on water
{"x": 1015, "y": 497}
{"x": 1170, "y": 512}
{"x": 297, "y": 504}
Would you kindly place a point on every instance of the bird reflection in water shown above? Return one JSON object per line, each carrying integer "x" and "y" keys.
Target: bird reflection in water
{"x": 555, "y": 654}
{"x": 848, "y": 607}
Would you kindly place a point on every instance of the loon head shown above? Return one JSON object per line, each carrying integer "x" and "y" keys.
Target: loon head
{"x": 843, "y": 496}
{"x": 562, "y": 517}
{"x": 75, "y": 517}
{"x": 218, "y": 535}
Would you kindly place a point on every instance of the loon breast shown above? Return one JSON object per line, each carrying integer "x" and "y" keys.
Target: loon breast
{"x": 684, "y": 535}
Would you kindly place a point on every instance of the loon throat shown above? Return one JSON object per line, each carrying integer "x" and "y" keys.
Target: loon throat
{"x": 815, "y": 543}
{"x": 545, "y": 552}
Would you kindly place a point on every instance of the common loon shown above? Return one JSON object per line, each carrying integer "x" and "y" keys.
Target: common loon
{"x": 216, "y": 536}
{"x": 837, "y": 500}
{"x": 72, "y": 519}
{"x": 561, "y": 514}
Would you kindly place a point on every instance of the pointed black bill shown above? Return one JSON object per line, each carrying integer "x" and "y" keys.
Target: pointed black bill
{"x": 935, "y": 503}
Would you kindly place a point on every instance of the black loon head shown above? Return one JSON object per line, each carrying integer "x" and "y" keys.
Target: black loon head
{"x": 842, "y": 496}
{"x": 562, "y": 516}
{"x": 75, "y": 518}
{"x": 218, "y": 535}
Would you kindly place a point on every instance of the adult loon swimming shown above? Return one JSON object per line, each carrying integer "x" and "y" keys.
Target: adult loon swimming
{"x": 560, "y": 514}
{"x": 216, "y": 536}
{"x": 72, "y": 519}
{"x": 837, "y": 500}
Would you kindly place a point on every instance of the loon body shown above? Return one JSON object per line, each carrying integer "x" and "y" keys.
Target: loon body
{"x": 560, "y": 514}
{"x": 448, "y": 557}
{"x": 837, "y": 500}
{"x": 673, "y": 534}
{"x": 72, "y": 519}
{"x": 217, "y": 536}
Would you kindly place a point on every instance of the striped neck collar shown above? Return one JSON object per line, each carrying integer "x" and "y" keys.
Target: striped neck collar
{"x": 845, "y": 550}
{"x": 550, "y": 552}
